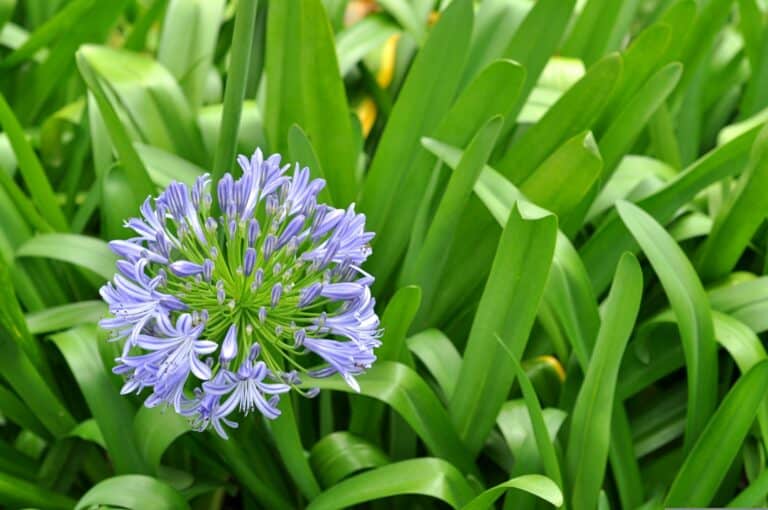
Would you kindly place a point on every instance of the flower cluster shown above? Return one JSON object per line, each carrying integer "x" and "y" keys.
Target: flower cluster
{"x": 223, "y": 308}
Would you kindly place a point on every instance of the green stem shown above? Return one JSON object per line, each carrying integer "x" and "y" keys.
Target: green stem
{"x": 239, "y": 463}
{"x": 234, "y": 93}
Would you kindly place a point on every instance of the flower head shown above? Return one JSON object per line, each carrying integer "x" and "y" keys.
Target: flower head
{"x": 222, "y": 312}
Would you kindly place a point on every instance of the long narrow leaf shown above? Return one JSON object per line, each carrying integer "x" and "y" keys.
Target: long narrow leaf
{"x": 740, "y": 216}
{"x": 589, "y": 438}
{"x": 341, "y": 454}
{"x": 133, "y": 491}
{"x": 426, "y": 476}
{"x": 428, "y": 265}
{"x": 402, "y": 389}
{"x": 31, "y": 170}
{"x": 112, "y": 413}
{"x": 706, "y": 465}
{"x": 86, "y": 252}
{"x": 424, "y": 99}
{"x": 507, "y": 307}
{"x": 687, "y": 297}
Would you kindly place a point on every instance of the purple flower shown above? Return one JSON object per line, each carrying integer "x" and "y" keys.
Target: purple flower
{"x": 246, "y": 389}
{"x": 346, "y": 358}
{"x": 211, "y": 317}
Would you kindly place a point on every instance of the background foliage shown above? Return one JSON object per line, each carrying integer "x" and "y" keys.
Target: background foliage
{"x": 568, "y": 198}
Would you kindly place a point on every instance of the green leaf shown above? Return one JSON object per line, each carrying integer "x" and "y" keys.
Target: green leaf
{"x": 19, "y": 413}
{"x": 516, "y": 426}
{"x": 516, "y": 283}
{"x": 661, "y": 132}
{"x": 338, "y": 455}
{"x": 22, "y": 206}
{"x": 501, "y": 82}
{"x": 13, "y": 233}
{"x": 301, "y": 151}
{"x": 688, "y": 300}
{"x": 241, "y": 465}
{"x": 559, "y": 75}
{"x": 118, "y": 136}
{"x": 736, "y": 337}
{"x": 134, "y": 492}
{"x": 407, "y": 393}
{"x": 110, "y": 410}
{"x": 541, "y": 432}
{"x": 568, "y": 291}
{"x": 17, "y": 463}
{"x": 624, "y": 463}
{"x": 89, "y": 430}
{"x": 12, "y": 323}
{"x": 87, "y": 252}
{"x": 746, "y": 349}
{"x": 65, "y": 316}
{"x": 33, "y": 390}
{"x": 439, "y": 355}
{"x": 602, "y": 251}
{"x": 405, "y": 14}
{"x": 700, "y": 38}
{"x": 12, "y": 36}
{"x": 752, "y": 99}
{"x": 735, "y": 130}
{"x": 575, "y": 112}
{"x": 136, "y": 39}
{"x": 38, "y": 88}
{"x": 629, "y": 122}
{"x": 286, "y": 435}
{"x": 548, "y": 19}
{"x": 304, "y": 87}
{"x": 598, "y": 28}
{"x": 496, "y": 22}
{"x": 31, "y": 170}
{"x": 154, "y": 429}
{"x": 187, "y": 43}
{"x": 704, "y": 468}
{"x": 428, "y": 264}
{"x": 538, "y": 485}
{"x": 426, "y": 476}
{"x": 754, "y": 495}
{"x": 659, "y": 424}
{"x": 570, "y": 298}
{"x": 635, "y": 178}
{"x": 117, "y": 191}
{"x": 589, "y": 437}
{"x": 283, "y": 73}
{"x": 23, "y": 366}
{"x": 366, "y": 415}
{"x": 101, "y": 144}
{"x": 566, "y": 176}
{"x": 17, "y": 492}
{"x": 745, "y": 301}
{"x": 6, "y": 11}
{"x": 250, "y": 134}
{"x": 163, "y": 167}
{"x": 653, "y": 48}
{"x": 358, "y": 40}
{"x": 690, "y": 226}
{"x": 739, "y": 217}
{"x": 144, "y": 98}
{"x": 64, "y": 21}
{"x": 425, "y": 98}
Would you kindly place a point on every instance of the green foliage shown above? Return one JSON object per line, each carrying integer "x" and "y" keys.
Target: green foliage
{"x": 569, "y": 200}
